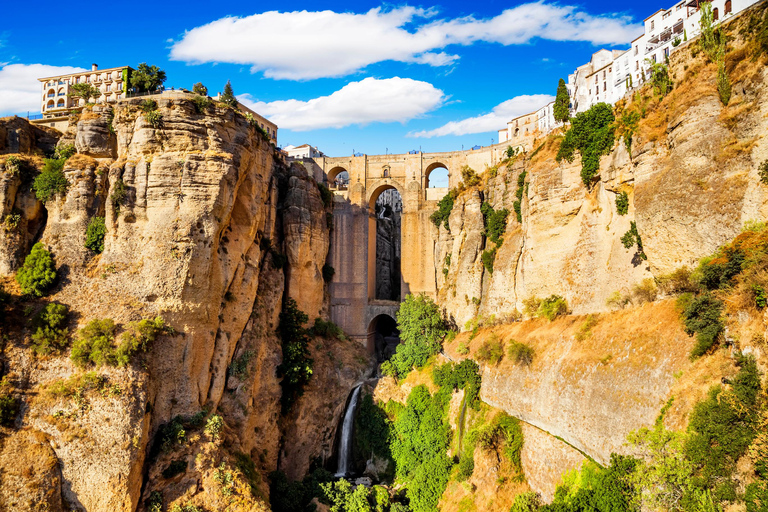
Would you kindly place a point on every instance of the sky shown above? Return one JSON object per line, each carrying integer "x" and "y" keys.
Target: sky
{"x": 363, "y": 76}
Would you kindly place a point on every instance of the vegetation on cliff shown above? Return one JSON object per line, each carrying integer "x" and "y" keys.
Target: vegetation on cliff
{"x": 296, "y": 368}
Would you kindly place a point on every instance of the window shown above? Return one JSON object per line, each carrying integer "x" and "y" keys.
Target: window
{"x": 728, "y": 7}
{"x": 603, "y": 74}
{"x": 87, "y": 79}
{"x": 653, "y": 24}
{"x": 77, "y": 80}
{"x": 605, "y": 86}
{"x": 637, "y": 65}
{"x": 610, "y": 69}
{"x": 715, "y": 14}
{"x": 666, "y": 15}
{"x": 597, "y": 90}
{"x": 654, "y": 57}
{"x": 636, "y": 49}
{"x": 109, "y": 87}
{"x": 120, "y": 86}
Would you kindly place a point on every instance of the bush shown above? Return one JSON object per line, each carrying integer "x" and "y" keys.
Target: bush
{"x": 147, "y": 106}
{"x": 9, "y": 404}
{"x": 94, "y": 235}
{"x": 723, "y": 84}
{"x": 646, "y": 291}
{"x": 240, "y": 366}
{"x": 214, "y": 426}
{"x": 488, "y": 257}
{"x": 592, "y": 135}
{"x": 444, "y": 207}
{"x": 51, "y": 180}
{"x": 201, "y": 104}
{"x": 491, "y": 351}
{"x": 701, "y": 316}
{"x": 50, "y": 331}
{"x": 296, "y": 367}
{"x": 465, "y": 375}
{"x": 228, "y": 96}
{"x": 762, "y": 170}
{"x": 326, "y": 195}
{"x": 94, "y": 343}
{"x": 139, "y": 337}
{"x": 503, "y": 433}
{"x": 64, "y": 151}
{"x": 154, "y": 118}
{"x": 462, "y": 349}
{"x": 469, "y": 177}
{"x": 679, "y": 281}
{"x": 495, "y": 222}
{"x": 372, "y": 430}
{"x": 119, "y": 195}
{"x": 521, "y": 353}
{"x": 328, "y": 273}
{"x": 38, "y": 273}
{"x": 422, "y": 330}
{"x": 632, "y": 238}
{"x": 526, "y": 502}
{"x": 518, "y": 204}
{"x": 552, "y": 307}
{"x": 717, "y": 272}
{"x": 327, "y": 329}
{"x": 622, "y": 203}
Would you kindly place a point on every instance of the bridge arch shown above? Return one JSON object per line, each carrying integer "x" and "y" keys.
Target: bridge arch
{"x": 339, "y": 173}
{"x": 385, "y": 243}
{"x": 441, "y": 173}
{"x": 378, "y": 188}
{"x": 383, "y": 337}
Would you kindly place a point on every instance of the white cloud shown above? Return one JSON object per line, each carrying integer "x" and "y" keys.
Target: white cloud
{"x": 19, "y": 89}
{"x": 305, "y": 45}
{"x": 493, "y": 121}
{"x": 367, "y": 101}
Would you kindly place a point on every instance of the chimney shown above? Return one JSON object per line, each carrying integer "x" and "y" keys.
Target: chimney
{"x": 94, "y": 67}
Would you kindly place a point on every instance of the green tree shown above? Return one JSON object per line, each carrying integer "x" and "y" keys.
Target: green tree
{"x": 228, "y": 96}
{"x": 50, "y": 331}
{"x": 51, "y": 180}
{"x": 200, "y": 89}
{"x": 94, "y": 235}
{"x": 147, "y": 78}
{"x": 38, "y": 273}
{"x": 561, "y": 109}
{"x": 94, "y": 343}
{"x": 296, "y": 368}
{"x": 83, "y": 91}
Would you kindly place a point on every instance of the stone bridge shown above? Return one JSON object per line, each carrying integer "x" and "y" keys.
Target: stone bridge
{"x": 354, "y": 306}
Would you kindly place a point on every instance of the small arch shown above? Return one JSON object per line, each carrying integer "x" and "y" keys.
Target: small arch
{"x": 517, "y": 132}
{"x": 383, "y": 337}
{"x": 60, "y": 103}
{"x": 50, "y": 104}
{"x": 377, "y": 191}
{"x": 338, "y": 178}
{"x": 728, "y": 7}
{"x": 436, "y": 176}
{"x": 51, "y": 93}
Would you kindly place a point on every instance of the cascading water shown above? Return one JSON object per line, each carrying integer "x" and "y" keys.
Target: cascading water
{"x": 345, "y": 443}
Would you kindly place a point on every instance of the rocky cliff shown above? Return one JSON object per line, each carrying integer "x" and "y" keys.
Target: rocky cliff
{"x": 206, "y": 227}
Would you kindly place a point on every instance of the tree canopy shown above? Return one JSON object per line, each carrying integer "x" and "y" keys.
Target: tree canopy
{"x": 147, "y": 78}
{"x": 561, "y": 109}
{"x": 83, "y": 91}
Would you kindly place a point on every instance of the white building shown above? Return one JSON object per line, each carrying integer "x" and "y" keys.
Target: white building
{"x": 546, "y": 118}
{"x": 594, "y": 82}
{"x": 303, "y": 151}
{"x": 520, "y": 127}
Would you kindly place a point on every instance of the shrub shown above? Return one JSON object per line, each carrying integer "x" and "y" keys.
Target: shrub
{"x": 444, "y": 207}
{"x": 422, "y": 330}
{"x": 200, "y": 89}
{"x": 154, "y": 118}
{"x": 328, "y": 273}
{"x": 201, "y": 104}
{"x": 756, "y": 496}
{"x": 552, "y": 307}
{"x": 701, "y": 316}
{"x": 462, "y": 349}
{"x": 762, "y": 170}
{"x": 488, "y": 257}
{"x": 64, "y": 151}
{"x": 646, "y": 291}
{"x": 723, "y": 84}
{"x": 240, "y": 366}
{"x": 491, "y": 351}
{"x": 372, "y": 430}
{"x": 531, "y": 306}
{"x": 503, "y": 433}
{"x": 717, "y": 272}
{"x": 679, "y": 281}
{"x": 660, "y": 80}
{"x": 469, "y": 177}
{"x": 526, "y": 502}
{"x": 94, "y": 343}
{"x": 37, "y": 274}
{"x": 521, "y": 353}
{"x": 327, "y": 329}
{"x": 155, "y": 502}
{"x": 585, "y": 330}
{"x": 495, "y": 222}
{"x": 139, "y": 337}
{"x": 51, "y": 180}
{"x": 214, "y": 425}
{"x": 9, "y": 404}
{"x": 518, "y": 204}
{"x": 591, "y": 134}
{"x": 326, "y": 195}
{"x": 94, "y": 235}
{"x": 186, "y": 508}
{"x": 50, "y": 331}
{"x": 622, "y": 203}
{"x": 632, "y": 238}
{"x": 296, "y": 367}
{"x": 119, "y": 195}
{"x": 13, "y": 165}
{"x": 148, "y": 105}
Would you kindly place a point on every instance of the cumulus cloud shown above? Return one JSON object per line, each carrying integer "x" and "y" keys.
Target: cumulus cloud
{"x": 303, "y": 45}
{"x": 493, "y": 121}
{"x": 367, "y": 101}
{"x": 19, "y": 89}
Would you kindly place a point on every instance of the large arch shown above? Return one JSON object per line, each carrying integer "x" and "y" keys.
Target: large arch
{"x": 374, "y": 251}
{"x": 434, "y": 167}
{"x": 383, "y": 337}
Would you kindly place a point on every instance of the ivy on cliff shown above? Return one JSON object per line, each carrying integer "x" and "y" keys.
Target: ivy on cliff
{"x": 591, "y": 134}
{"x": 296, "y": 368}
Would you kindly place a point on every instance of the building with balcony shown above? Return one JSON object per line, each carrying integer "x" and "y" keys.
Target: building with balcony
{"x": 520, "y": 127}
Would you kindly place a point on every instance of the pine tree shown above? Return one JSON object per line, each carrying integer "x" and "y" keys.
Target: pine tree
{"x": 228, "y": 97}
{"x": 562, "y": 102}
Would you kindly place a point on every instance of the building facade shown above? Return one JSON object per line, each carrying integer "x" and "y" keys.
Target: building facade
{"x": 55, "y": 102}
{"x": 520, "y": 127}
{"x": 303, "y": 151}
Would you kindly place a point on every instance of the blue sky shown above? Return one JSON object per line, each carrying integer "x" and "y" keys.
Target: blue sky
{"x": 364, "y": 76}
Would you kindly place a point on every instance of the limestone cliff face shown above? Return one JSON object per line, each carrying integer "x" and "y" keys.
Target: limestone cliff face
{"x": 198, "y": 211}
{"x": 691, "y": 180}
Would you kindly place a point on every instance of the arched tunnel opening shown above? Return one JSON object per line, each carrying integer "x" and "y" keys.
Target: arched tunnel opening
{"x": 383, "y": 337}
{"x": 388, "y": 209}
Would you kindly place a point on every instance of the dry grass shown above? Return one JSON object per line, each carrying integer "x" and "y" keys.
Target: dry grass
{"x": 81, "y": 162}
{"x": 734, "y": 112}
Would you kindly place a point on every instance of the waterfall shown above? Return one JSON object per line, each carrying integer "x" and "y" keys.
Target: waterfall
{"x": 347, "y": 426}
